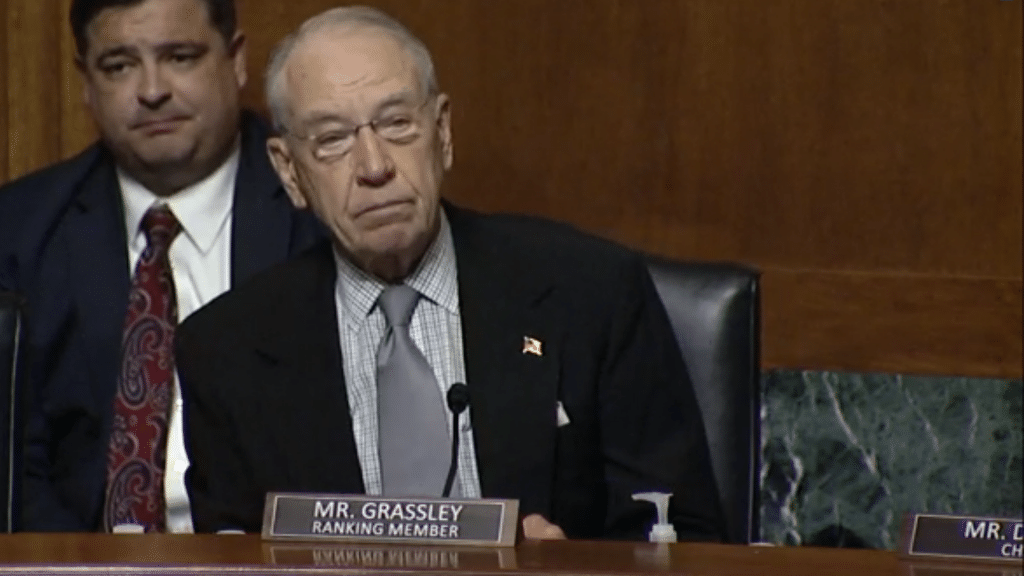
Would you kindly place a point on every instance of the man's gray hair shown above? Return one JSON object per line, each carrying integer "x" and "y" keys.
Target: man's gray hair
{"x": 348, "y": 16}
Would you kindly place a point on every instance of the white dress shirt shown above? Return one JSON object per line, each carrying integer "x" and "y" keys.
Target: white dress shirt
{"x": 436, "y": 328}
{"x": 200, "y": 259}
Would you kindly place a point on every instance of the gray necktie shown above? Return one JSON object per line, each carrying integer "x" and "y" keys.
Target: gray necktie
{"x": 415, "y": 447}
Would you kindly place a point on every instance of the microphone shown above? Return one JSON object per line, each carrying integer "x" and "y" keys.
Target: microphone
{"x": 458, "y": 400}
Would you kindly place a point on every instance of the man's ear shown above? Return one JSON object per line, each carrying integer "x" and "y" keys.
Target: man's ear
{"x": 281, "y": 159}
{"x": 444, "y": 130}
{"x": 83, "y": 75}
{"x": 237, "y": 52}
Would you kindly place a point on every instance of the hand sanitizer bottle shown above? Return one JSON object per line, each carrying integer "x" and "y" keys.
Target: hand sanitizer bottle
{"x": 662, "y": 531}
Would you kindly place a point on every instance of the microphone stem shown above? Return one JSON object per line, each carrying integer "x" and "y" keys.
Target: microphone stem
{"x": 455, "y": 456}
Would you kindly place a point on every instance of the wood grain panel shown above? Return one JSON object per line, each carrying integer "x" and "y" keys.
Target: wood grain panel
{"x": 4, "y": 110}
{"x": 892, "y": 323}
{"x": 33, "y": 85}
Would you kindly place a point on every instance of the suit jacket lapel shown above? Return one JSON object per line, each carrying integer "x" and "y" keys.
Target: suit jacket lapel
{"x": 514, "y": 392}
{"x": 262, "y": 217}
{"x": 303, "y": 355}
{"x": 98, "y": 259}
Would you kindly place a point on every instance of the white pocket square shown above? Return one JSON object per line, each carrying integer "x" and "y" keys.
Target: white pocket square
{"x": 561, "y": 417}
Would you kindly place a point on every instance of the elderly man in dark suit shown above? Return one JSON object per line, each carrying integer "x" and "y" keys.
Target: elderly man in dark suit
{"x": 173, "y": 206}
{"x": 329, "y": 373}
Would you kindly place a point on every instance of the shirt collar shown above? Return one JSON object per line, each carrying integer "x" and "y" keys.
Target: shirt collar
{"x": 435, "y": 278}
{"x": 202, "y": 208}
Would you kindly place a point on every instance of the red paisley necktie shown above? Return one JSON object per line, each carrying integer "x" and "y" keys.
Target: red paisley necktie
{"x": 138, "y": 442}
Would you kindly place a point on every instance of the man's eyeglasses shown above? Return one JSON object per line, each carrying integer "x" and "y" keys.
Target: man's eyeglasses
{"x": 397, "y": 127}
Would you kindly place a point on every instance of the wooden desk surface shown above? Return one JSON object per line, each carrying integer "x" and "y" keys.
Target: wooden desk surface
{"x": 62, "y": 554}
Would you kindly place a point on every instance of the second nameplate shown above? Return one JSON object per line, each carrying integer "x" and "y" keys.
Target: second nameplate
{"x": 350, "y": 518}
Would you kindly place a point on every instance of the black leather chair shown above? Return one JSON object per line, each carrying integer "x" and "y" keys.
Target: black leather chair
{"x": 715, "y": 313}
{"x": 11, "y": 412}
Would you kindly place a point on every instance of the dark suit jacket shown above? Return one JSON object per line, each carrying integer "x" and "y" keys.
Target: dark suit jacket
{"x": 266, "y": 408}
{"x": 62, "y": 245}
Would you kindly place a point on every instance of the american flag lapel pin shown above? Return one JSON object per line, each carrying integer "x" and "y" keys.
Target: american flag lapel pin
{"x": 532, "y": 346}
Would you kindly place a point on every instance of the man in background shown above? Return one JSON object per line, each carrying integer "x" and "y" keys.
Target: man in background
{"x": 112, "y": 248}
{"x": 330, "y": 372}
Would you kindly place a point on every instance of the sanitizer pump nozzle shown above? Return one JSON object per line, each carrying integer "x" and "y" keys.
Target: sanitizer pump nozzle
{"x": 662, "y": 531}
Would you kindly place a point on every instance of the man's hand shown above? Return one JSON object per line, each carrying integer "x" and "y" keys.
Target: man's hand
{"x": 537, "y": 527}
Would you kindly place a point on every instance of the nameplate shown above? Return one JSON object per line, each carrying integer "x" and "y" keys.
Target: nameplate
{"x": 972, "y": 537}
{"x": 344, "y": 518}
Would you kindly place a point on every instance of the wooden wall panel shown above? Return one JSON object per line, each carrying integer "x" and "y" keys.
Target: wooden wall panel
{"x": 4, "y": 110}
{"x": 866, "y": 155}
{"x": 33, "y": 81}
{"x": 892, "y": 323}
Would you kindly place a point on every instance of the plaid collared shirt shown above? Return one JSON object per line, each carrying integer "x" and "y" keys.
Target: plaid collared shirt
{"x": 436, "y": 328}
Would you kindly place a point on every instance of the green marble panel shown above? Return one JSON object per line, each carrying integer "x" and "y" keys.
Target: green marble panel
{"x": 846, "y": 456}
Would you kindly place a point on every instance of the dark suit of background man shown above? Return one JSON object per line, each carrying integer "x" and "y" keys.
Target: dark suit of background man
{"x": 579, "y": 397}
{"x": 162, "y": 80}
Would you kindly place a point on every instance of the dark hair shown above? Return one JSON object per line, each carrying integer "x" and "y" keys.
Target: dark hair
{"x": 221, "y": 13}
